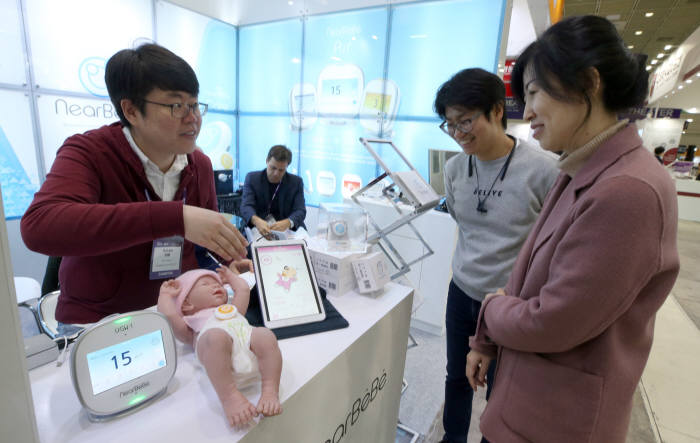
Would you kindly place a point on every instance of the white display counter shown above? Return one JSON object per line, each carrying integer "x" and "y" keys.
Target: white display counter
{"x": 343, "y": 384}
{"x": 431, "y": 276}
{"x": 688, "y": 199}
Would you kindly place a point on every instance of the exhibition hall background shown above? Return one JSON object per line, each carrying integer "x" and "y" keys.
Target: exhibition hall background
{"x": 314, "y": 83}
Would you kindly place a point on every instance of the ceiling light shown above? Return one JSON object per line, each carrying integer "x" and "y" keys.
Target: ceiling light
{"x": 689, "y": 120}
{"x": 648, "y": 14}
{"x": 296, "y": 60}
{"x": 667, "y": 47}
{"x": 697, "y": 74}
{"x": 290, "y": 2}
{"x": 692, "y": 110}
{"x": 648, "y": 68}
{"x": 613, "y": 17}
{"x": 680, "y": 86}
{"x": 653, "y": 62}
{"x": 374, "y": 37}
{"x": 683, "y": 132}
{"x": 637, "y": 32}
{"x": 630, "y": 47}
{"x": 660, "y": 55}
{"x": 689, "y": 81}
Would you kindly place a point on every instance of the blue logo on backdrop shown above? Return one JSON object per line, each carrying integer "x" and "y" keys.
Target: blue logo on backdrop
{"x": 92, "y": 76}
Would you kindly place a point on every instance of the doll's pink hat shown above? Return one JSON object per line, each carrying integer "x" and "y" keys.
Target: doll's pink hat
{"x": 187, "y": 281}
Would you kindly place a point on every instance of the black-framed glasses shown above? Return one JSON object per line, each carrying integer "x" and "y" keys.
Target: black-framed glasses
{"x": 464, "y": 126}
{"x": 181, "y": 110}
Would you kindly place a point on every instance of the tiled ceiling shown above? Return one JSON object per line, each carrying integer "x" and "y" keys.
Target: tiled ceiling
{"x": 671, "y": 23}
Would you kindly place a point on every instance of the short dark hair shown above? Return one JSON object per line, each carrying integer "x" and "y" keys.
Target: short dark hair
{"x": 472, "y": 88}
{"x": 280, "y": 153}
{"x": 563, "y": 55}
{"x": 133, "y": 73}
{"x": 659, "y": 150}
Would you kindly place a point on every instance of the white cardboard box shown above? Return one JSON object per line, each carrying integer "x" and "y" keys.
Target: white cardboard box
{"x": 371, "y": 272}
{"x": 334, "y": 270}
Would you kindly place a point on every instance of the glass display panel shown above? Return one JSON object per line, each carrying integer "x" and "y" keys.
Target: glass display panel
{"x": 72, "y": 41}
{"x": 19, "y": 175}
{"x": 208, "y": 45}
{"x": 334, "y": 164}
{"x": 217, "y": 139}
{"x": 270, "y": 67}
{"x": 257, "y": 135}
{"x": 63, "y": 116}
{"x": 414, "y": 139}
{"x": 12, "y": 60}
{"x": 123, "y": 362}
{"x": 432, "y": 41}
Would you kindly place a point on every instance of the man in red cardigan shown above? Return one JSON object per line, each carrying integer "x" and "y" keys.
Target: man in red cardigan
{"x": 124, "y": 204}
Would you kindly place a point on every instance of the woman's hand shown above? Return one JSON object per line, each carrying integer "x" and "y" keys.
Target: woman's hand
{"x": 477, "y": 365}
{"x": 500, "y": 291}
{"x": 241, "y": 266}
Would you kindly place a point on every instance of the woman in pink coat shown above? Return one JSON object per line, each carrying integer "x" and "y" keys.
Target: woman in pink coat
{"x": 574, "y": 325}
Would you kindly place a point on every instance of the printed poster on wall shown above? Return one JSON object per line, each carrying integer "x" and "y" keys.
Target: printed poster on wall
{"x": 19, "y": 176}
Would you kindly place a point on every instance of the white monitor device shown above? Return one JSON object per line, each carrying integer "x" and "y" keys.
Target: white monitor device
{"x": 287, "y": 287}
{"x": 122, "y": 362}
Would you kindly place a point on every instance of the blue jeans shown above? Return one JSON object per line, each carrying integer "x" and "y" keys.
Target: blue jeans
{"x": 460, "y": 319}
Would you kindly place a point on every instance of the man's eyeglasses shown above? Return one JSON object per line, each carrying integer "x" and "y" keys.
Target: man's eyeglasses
{"x": 181, "y": 110}
{"x": 465, "y": 126}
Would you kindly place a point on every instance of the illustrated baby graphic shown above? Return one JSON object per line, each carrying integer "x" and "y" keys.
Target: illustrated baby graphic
{"x": 287, "y": 277}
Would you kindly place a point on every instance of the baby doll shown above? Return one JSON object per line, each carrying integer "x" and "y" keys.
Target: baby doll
{"x": 232, "y": 352}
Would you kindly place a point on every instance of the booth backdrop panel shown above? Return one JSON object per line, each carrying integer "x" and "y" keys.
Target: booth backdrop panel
{"x": 72, "y": 41}
{"x": 269, "y": 66}
{"x": 63, "y": 116}
{"x": 333, "y": 161}
{"x": 208, "y": 45}
{"x": 12, "y": 60}
{"x": 257, "y": 135}
{"x": 414, "y": 139}
{"x": 19, "y": 174}
{"x": 217, "y": 139}
{"x": 432, "y": 41}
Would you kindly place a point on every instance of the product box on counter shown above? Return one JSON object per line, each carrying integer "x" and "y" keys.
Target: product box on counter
{"x": 333, "y": 269}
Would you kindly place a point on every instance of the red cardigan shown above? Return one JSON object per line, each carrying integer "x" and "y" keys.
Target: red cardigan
{"x": 92, "y": 210}
{"x": 575, "y": 328}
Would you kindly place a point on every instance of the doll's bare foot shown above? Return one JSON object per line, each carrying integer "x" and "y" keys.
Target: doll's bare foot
{"x": 239, "y": 411}
{"x": 269, "y": 404}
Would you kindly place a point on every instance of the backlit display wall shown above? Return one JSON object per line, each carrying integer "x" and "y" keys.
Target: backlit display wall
{"x": 315, "y": 84}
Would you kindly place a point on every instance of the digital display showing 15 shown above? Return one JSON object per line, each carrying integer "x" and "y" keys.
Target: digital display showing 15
{"x": 123, "y": 362}
{"x": 340, "y": 87}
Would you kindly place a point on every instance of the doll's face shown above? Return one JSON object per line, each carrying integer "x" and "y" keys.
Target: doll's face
{"x": 289, "y": 272}
{"x": 207, "y": 292}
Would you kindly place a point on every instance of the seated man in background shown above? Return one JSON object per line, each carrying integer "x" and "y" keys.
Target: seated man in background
{"x": 273, "y": 200}
{"x": 125, "y": 204}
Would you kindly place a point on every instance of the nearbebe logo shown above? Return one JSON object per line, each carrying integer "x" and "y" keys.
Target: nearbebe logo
{"x": 358, "y": 407}
{"x": 92, "y": 76}
{"x": 135, "y": 389}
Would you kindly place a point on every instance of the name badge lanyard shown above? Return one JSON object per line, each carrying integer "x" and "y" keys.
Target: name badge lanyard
{"x": 166, "y": 254}
{"x": 269, "y": 206}
{"x": 481, "y": 206}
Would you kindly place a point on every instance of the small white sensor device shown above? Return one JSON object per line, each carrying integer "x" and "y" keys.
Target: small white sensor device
{"x": 122, "y": 363}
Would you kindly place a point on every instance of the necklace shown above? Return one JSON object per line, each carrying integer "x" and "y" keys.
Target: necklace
{"x": 481, "y": 207}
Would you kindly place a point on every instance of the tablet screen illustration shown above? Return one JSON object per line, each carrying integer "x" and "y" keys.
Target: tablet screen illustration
{"x": 286, "y": 282}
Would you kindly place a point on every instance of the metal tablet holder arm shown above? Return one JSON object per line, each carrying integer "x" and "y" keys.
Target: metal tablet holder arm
{"x": 421, "y": 197}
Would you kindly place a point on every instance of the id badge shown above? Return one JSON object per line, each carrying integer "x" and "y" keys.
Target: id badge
{"x": 166, "y": 257}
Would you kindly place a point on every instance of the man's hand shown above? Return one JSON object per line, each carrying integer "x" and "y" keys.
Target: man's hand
{"x": 477, "y": 365}
{"x": 281, "y": 225}
{"x": 213, "y": 231}
{"x": 241, "y": 266}
{"x": 263, "y": 227}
